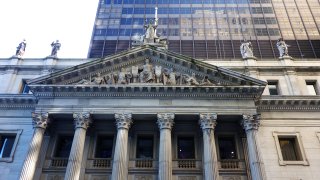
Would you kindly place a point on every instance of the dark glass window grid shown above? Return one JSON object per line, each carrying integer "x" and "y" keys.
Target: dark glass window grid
{"x": 6, "y": 145}
{"x": 227, "y": 148}
{"x": 263, "y": 49}
{"x": 144, "y": 147}
{"x": 289, "y": 149}
{"x": 63, "y": 146}
{"x": 273, "y": 87}
{"x": 104, "y": 147}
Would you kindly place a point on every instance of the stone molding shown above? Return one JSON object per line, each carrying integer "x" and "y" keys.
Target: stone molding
{"x": 250, "y": 121}
{"x": 40, "y": 120}
{"x": 124, "y": 120}
{"x": 165, "y": 120}
{"x": 289, "y": 103}
{"x": 208, "y": 120}
{"x": 18, "y": 101}
{"x": 82, "y": 120}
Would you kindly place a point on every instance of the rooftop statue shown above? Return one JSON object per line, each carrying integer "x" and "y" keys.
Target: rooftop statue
{"x": 151, "y": 37}
{"x": 21, "y": 48}
{"x": 55, "y": 47}
{"x": 282, "y": 47}
{"x": 246, "y": 49}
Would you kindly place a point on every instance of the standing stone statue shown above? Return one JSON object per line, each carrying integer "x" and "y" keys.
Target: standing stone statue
{"x": 55, "y": 47}
{"x": 282, "y": 47}
{"x": 246, "y": 49}
{"x": 21, "y": 48}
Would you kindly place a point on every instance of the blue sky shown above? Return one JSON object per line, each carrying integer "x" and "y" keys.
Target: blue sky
{"x": 42, "y": 21}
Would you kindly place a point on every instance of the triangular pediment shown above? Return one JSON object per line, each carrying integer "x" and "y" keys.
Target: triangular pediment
{"x": 146, "y": 66}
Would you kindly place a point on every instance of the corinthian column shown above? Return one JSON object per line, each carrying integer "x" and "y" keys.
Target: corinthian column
{"x": 208, "y": 123}
{"x": 40, "y": 122}
{"x": 251, "y": 124}
{"x": 165, "y": 123}
{"x": 120, "y": 158}
{"x": 81, "y": 122}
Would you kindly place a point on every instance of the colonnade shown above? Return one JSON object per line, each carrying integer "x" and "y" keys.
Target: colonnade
{"x": 165, "y": 123}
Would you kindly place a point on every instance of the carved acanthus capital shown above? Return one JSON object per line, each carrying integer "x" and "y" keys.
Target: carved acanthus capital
{"x": 208, "y": 121}
{"x": 250, "y": 121}
{"x": 40, "y": 120}
{"x": 82, "y": 120}
{"x": 124, "y": 120}
{"x": 165, "y": 120}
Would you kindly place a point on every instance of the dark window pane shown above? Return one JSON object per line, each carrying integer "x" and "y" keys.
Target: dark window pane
{"x": 104, "y": 147}
{"x": 273, "y": 88}
{"x": 63, "y": 146}
{"x": 289, "y": 149}
{"x": 145, "y": 147}
{"x": 227, "y": 148}
{"x": 186, "y": 149}
{"x": 6, "y": 144}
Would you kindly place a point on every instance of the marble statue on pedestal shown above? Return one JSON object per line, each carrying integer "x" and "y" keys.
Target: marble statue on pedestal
{"x": 21, "y": 48}
{"x": 55, "y": 47}
{"x": 246, "y": 49}
{"x": 282, "y": 47}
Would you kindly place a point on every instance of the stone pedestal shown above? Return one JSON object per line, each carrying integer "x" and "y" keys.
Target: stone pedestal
{"x": 48, "y": 62}
{"x": 251, "y": 124}
{"x": 40, "y": 122}
{"x": 165, "y": 123}
{"x": 120, "y": 158}
{"x": 82, "y": 121}
{"x": 210, "y": 163}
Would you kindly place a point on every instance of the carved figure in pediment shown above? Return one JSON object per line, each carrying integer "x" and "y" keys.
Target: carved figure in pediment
{"x": 170, "y": 77}
{"x": 83, "y": 81}
{"x": 109, "y": 79}
{"x": 98, "y": 79}
{"x": 123, "y": 77}
{"x": 147, "y": 73}
{"x": 190, "y": 80}
{"x": 158, "y": 72}
{"x": 206, "y": 82}
{"x": 135, "y": 73}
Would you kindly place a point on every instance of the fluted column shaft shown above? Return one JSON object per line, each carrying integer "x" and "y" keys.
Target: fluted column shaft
{"x": 251, "y": 124}
{"x": 82, "y": 121}
{"x": 210, "y": 163}
{"x": 165, "y": 123}
{"x": 40, "y": 122}
{"x": 120, "y": 158}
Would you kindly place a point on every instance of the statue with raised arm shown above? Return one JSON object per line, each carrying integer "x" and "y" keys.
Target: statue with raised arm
{"x": 246, "y": 49}
{"x": 55, "y": 47}
{"x": 282, "y": 47}
{"x": 21, "y": 48}
{"x": 150, "y": 34}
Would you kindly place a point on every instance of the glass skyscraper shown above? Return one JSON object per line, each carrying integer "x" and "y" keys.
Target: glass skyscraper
{"x": 211, "y": 29}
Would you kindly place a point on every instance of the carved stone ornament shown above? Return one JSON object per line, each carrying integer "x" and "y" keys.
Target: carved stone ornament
{"x": 124, "y": 120}
{"x": 208, "y": 120}
{"x": 147, "y": 73}
{"x": 40, "y": 120}
{"x": 250, "y": 122}
{"x": 82, "y": 120}
{"x": 165, "y": 120}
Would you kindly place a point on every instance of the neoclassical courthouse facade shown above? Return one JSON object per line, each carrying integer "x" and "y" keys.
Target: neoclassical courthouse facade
{"x": 148, "y": 113}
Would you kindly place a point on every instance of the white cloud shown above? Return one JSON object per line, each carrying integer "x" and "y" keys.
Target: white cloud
{"x": 42, "y": 21}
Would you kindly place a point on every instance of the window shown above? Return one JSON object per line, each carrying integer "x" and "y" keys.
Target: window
{"x": 63, "y": 146}
{"x": 8, "y": 143}
{"x": 227, "y": 148}
{"x": 24, "y": 87}
{"x": 144, "y": 147}
{"x": 104, "y": 147}
{"x": 273, "y": 87}
{"x": 312, "y": 87}
{"x": 186, "y": 148}
{"x": 289, "y": 148}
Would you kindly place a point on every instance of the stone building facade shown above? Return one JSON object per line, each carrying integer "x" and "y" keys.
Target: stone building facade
{"x": 148, "y": 113}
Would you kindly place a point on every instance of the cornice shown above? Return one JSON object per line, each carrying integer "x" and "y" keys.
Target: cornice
{"x": 288, "y": 103}
{"x": 26, "y": 101}
{"x": 147, "y": 90}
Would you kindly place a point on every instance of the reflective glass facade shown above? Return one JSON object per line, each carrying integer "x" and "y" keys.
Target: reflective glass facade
{"x": 211, "y": 29}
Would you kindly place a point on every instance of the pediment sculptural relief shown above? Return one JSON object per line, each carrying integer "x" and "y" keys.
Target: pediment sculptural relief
{"x": 147, "y": 74}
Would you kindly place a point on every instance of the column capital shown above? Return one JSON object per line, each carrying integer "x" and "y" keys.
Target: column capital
{"x": 40, "y": 120}
{"x": 165, "y": 120}
{"x": 250, "y": 121}
{"x": 82, "y": 120}
{"x": 208, "y": 120}
{"x": 123, "y": 120}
